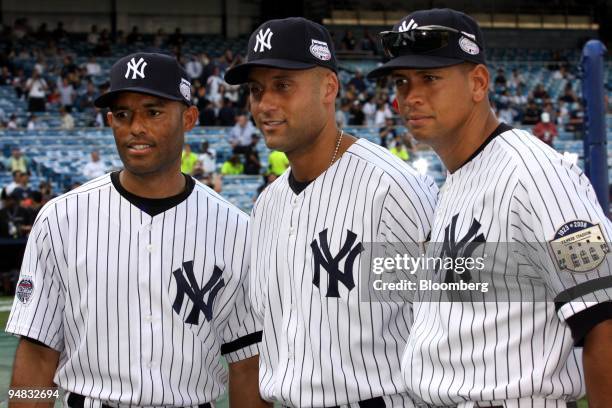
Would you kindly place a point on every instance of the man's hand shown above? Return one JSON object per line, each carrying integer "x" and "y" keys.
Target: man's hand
{"x": 34, "y": 367}
{"x": 244, "y": 384}
{"x": 597, "y": 360}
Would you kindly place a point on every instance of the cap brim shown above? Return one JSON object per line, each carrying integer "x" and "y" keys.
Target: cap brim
{"x": 240, "y": 73}
{"x": 105, "y": 100}
{"x": 413, "y": 61}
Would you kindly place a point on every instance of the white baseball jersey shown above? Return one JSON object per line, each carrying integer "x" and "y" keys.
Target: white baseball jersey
{"x": 537, "y": 210}
{"x": 323, "y": 345}
{"x": 141, "y": 307}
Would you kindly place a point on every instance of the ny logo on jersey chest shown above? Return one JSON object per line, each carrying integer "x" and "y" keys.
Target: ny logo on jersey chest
{"x": 323, "y": 258}
{"x": 186, "y": 284}
{"x": 451, "y": 248}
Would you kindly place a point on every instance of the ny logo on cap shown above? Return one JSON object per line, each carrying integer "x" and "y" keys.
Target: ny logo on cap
{"x": 136, "y": 68}
{"x": 410, "y": 26}
{"x": 263, "y": 40}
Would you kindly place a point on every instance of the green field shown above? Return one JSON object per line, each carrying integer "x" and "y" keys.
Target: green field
{"x": 8, "y": 344}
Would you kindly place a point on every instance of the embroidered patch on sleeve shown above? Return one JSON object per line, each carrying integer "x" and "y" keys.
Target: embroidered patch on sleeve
{"x": 579, "y": 246}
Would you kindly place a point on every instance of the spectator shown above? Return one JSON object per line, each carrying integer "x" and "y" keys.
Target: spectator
{"x": 188, "y": 160}
{"x": 399, "y": 148}
{"x": 12, "y": 123}
{"x": 40, "y": 66}
{"x": 177, "y": 38}
{"x": 99, "y": 119}
{"x": 32, "y": 122}
{"x": 43, "y": 33}
{"x": 348, "y": 41}
{"x": 59, "y": 33}
{"x": 36, "y": 87}
{"x": 22, "y": 186}
{"x": 19, "y": 84}
{"x": 15, "y": 221}
{"x": 356, "y": 115}
{"x": 382, "y": 114}
{"x": 233, "y": 166}
{"x": 95, "y": 168}
{"x": 358, "y": 82}
{"x": 213, "y": 83}
{"x": 92, "y": 67}
{"x": 545, "y": 130}
{"x": 86, "y": 101}
{"x": 93, "y": 37}
{"x": 539, "y": 93}
{"x": 69, "y": 67}
{"x": 388, "y": 132}
{"x": 369, "y": 111}
{"x": 17, "y": 161}
{"x": 226, "y": 60}
{"x": 6, "y": 77}
{"x": 104, "y": 44}
{"x": 516, "y": 79}
{"x": 67, "y": 94}
{"x": 242, "y": 137}
{"x": 15, "y": 183}
{"x": 576, "y": 118}
{"x": 506, "y": 114}
{"x": 531, "y": 114}
{"x": 569, "y": 96}
{"x": 227, "y": 114}
{"x": 368, "y": 43}
{"x": 207, "y": 114}
{"x": 134, "y": 36}
{"x": 208, "y": 158}
{"x": 252, "y": 165}
{"x": 159, "y": 39}
{"x": 277, "y": 162}
{"x": 67, "y": 119}
{"x": 194, "y": 68}
{"x": 342, "y": 114}
{"x": 500, "y": 79}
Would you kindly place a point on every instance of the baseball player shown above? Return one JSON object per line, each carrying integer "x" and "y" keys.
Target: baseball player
{"x": 323, "y": 346}
{"x": 511, "y": 191}
{"x": 134, "y": 285}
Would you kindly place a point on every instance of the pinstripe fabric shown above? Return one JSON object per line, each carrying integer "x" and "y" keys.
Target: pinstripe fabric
{"x": 520, "y": 191}
{"x": 105, "y": 288}
{"x": 320, "y": 349}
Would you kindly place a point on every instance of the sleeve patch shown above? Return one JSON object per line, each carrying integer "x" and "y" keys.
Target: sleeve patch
{"x": 25, "y": 289}
{"x": 579, "y": 247}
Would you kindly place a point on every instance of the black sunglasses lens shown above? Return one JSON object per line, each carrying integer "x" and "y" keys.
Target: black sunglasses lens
{"x": 414, "y": 42}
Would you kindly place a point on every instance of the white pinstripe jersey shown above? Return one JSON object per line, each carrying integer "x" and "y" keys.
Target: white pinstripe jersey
{"x": 516, "y": 190}
{"x": 141, "y": 308}
{"x": 322, "y": 346}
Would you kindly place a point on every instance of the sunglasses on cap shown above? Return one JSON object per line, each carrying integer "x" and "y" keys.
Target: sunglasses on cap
{"x": 418, "y": 40}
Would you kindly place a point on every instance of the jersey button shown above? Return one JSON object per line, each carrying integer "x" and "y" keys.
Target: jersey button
{"x": 149, "y": 318}
{"x": 149, "y": 247}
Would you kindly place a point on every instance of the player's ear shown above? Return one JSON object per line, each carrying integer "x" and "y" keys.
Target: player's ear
{"x": 479, "y": 82}
{"x": 109, "y": 118}
{"x": 190, "y": 117}
{"x": 331, "y": 86}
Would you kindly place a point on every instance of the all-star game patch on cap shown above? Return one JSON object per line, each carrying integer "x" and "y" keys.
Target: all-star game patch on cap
{"x": 433, "y": 38}
{"x": 149, "y": 73}
{"x": 290, "y": 43}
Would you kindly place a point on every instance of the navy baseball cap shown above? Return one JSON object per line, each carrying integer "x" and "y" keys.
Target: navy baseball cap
{"x": 289, "y": 43}
{"x": 149, "y": 73}
{"x": 433, "y": 38}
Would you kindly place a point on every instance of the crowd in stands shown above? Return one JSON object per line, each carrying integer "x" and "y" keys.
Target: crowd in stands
{"x": 41, "y": 68}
